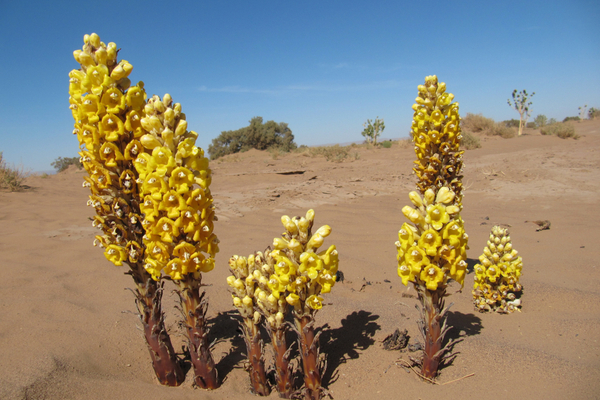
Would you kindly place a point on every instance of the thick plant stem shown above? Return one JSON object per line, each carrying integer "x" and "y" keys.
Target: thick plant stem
{"x": 254, "y": 346}
{"x": 309, "y": 350}
{"x": 283, "y": 372}
{"x": 148, "y": 298}
{"x": 433, "y": 329}
{"x": 194, "y": 308}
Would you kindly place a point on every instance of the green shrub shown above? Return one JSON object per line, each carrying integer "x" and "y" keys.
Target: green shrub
{"x": 593, "y": 113}
{"x": 469, "y": 141}
{"x": 567, "y": 119}
{"x": 530, "y": 125}
{"x": 551, "y": 121}
{"x": 62, "y": 163}
{"x": 334, "y": 153}
{"x": 476, "y": 123}
{"x": 561, "y": 130}
{"x": 386, "y": 144}
{"x": 11, "y": 178}
{"x": 540, "y": 121}
{"x": 258, "y": 135}
{"x": 511, "y": 123}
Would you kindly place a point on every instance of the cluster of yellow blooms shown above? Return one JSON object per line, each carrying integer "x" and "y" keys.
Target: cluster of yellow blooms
{"x": 436, "y": 134}
{"x": 293, "y": 273}
{"x": 497, "y": 277}
{"x": 433, "y": 248}
{"x": 148, "y": 179}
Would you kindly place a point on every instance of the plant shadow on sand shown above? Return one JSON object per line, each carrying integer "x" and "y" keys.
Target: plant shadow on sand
{"x": 226, "y": 326}
{"x": 463, "y": 325}
{"x": 341, "y": 344}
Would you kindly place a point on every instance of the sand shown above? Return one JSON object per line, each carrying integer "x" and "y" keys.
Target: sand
{"x": 67, "y": 330}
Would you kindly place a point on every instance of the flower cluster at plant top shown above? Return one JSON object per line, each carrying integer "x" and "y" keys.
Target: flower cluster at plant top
{"x": 497, "y": 277}
{"x": 147, "y": 177}
{"x": 293, "y": 273}
{"x": 433, "y": 248}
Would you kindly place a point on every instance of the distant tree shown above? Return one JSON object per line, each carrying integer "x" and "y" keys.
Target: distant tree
{"x": 540, "y": 121}
{"x": 62, "y": 163}
{"x": 520, "y": 104}
{"x": 373, "y": 130}
{"x": 257, "y": 135}
{"x": 582, "y": 112}
{"x": 551, "y": 121}
{"x": 593, "y": 113}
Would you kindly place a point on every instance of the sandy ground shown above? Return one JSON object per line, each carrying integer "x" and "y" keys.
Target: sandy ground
{"x": 66, "y": 331}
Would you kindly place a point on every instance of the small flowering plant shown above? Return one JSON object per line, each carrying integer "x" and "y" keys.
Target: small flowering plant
{"x": 497, "y": 276}
{"x": 431, "y": 249}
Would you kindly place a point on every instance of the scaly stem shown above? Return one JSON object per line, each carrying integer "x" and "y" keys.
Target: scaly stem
{"x": 148, "y": 298}
{"x": 194, "y": 308}
{"x": 254, "y": 346}
{"x": 432, "y": 328}
{"x": 283, "y": 372}
{"x": 309, "y": 350}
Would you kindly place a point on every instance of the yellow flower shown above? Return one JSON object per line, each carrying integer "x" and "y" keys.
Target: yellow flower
{"x": 111, "y": 127}
{"x": 406, "y": 237}
{"x": 158, "y": 251}
{"x": 432, "y": 275}
{"x": 154, "y": 268}
{"x": 326, "y": 280}
{"x": 413, "y": 215}
{"x": 90, "y": 109}
{"x": 330, "y": 259}
{"x": 444, "y": 100}
{"x": 173, "y": 204}
{"x": 458, "y": 270}
{"x": 166, "y": 229}
{"x": 127, "y": 181}
{"x": 149, "y": 207}
{"x": 430, "y": 241}
{"x": 76, "y": 78}
{"x": 115, "y": 254}
{"x": 276, "y": 286}
{"x": 89, "y": 136}
{"x": 416, "y": 258}
{"x": 97, "y": 79}
{"x": 196, "y": 162}
{"x": 310, "y": 265}
{"x": 155, "y": 185}
{"x": 133, "y": 123}
{"x": 315, "y": 302}
{"x": 110, "y": 154}
{"x": 437, "y": 216}
{"x": 136, "y": 98}
{"x": 437, "y": 118}
{"x": 493, "y": 272}
{"x": 113, "y": 100}
{"x": 406, "y": 273}
{"x": 174, "y": 269}
{"x": 189, "y": 220}
{"x": 453, "y": 234}
{"x": 132, "y": 150}
{"x": 162, "y": 161}
{"x": 292, "y": 299}
{"x": 181, "y": 179}
{"x": 197, "y": 199}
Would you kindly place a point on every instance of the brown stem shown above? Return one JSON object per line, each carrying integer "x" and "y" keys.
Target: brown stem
{"x": 283, "y": 372}
{"x": 309, "y": 350}
{"x": 254, "y": 346}
{"x": 432, "y": 329}
{"x": 194, "y": 308}
{"x": 148, "y": 298}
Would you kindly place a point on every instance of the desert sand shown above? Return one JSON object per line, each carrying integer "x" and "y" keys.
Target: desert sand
{"x": 67, "y": 330}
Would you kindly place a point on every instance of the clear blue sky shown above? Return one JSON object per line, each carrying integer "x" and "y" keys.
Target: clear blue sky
{"x": 324, "y": 67}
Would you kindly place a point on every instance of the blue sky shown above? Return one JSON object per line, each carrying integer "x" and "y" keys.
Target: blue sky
{"x": 324, "y": 67}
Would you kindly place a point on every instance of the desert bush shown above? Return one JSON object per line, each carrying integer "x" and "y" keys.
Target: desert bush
{"x": 258, "y": 135}
{"x": 405, "y": 143}
{"x": 334, "y": 153}
{"x": 62, "y": 163}
{"x": 469, "y": 141}
{"x": 540, "y": 121}
{"x": 551, "y": 121}
{"x": 511, "y": 123}
{"x": 476, "y": 123}
{"x": 530, "y": 125}
{"x": 593, "y": 113}
{"x": 561, "y": 130}
{"x": 11, "y": 177}
{"x": 386, "y": 144}
{"x": 567, "y": 119}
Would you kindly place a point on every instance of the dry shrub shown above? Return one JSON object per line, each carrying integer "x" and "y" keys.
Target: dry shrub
{"x": 561, "y": 130}
{"x": 469, "y": 141}
{"x": 500, "y": 129}
{"x": 405, "y": 143}
{"x": 476, "y": 123}
{"x": 11, "y": 178}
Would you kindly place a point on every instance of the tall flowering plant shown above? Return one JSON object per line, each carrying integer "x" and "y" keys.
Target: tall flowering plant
{"x": 431, "y": 249}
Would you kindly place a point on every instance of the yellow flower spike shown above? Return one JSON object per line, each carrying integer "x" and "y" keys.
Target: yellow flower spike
{"x": 437, "y": 216}
{"x": 110, "y": 154}
{"x": 315, "y": 302}
{"x": 430, "y": 241}
{"x": 115, "y": 254}
{"x": 432, "y": 275}
{"x": 111, "y": 127}
{"x": 181, "y": 179}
